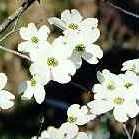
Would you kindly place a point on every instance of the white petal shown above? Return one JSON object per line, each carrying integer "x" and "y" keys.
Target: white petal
{"x": 57, "y": 22}
{"x": 43, "y": 33}
{"x": 71, "y": 17}
{"x": 26, "y": 47}
{"x": 71, "y": 130}
{"x": 28, "y": 93}
{"x": 61, "y": 49}
{"x": 76, "y": 60}
{"x": 82, "y": 135}
{"x": 28, "y": 32}
{"x": 120, "y": 114}
{"x": 6, "y": 99}
{"x": 100, "y": 106}
{"x": 39, "y": 94}
{"x": 132, "y": 109}
{"x": 95, "y": 50}
{"x": 89, "y": 23}
{"x": 3, "y": 80}
{"x": 63, "y": 72}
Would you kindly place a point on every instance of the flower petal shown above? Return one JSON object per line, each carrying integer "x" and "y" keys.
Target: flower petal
{"x": 43, "y": 33}
{"x": 3, "y": 80}
{"x": 28, "y": 32}
{"x": 100, "y": 106}
{"x": 120, "y": 114}
{"x": 39, "y": 94}
{"x": 6, "y": 99}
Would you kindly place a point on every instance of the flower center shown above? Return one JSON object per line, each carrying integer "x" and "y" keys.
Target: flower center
{"x": 73, "y": 26}
{"x": 128, "y": 85}
{"x": 110, "y": 85}
{"x": 80, "y": 48}
{"x": 72, "y": 119}
{"x": 33, "y": 82}
{"x": 34, "y": 39}
{"x": 51, "y": 61}
{"x": 118, "y": 101}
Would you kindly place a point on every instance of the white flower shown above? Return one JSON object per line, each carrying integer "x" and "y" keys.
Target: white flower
{"x": 79, "y": 115}
{"x": 33, "y": 38}
{"x": 35, "y": 87}
{"x": 131, "y": 65}
{"x": 83, "y": 47}
{"x": 129, "y": 84}
{"x": 82, "y": 135}
{"x": 6, "y": 98}
{"x": 52, "y": 62}
{"x": 72, "y": 21}
{"x": 109, "y": 95}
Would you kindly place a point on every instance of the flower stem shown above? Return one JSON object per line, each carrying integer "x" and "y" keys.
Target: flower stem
{"x": 126, "y": 131}
{"x": 15, "y": 53}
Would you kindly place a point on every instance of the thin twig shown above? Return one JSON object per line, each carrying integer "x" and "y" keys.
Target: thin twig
{"x": 134, "y": 129}
{"x": 8, "y": 34}
{"x": 122, "y": 10}
{"x": 80, "y": 86}
{"x": 15, "y": 53}
{"x": 17, "y": 14}
{"x": 126, "y": 131}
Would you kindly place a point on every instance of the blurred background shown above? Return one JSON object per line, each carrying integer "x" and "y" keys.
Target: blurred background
{"x": 119, "y": 40}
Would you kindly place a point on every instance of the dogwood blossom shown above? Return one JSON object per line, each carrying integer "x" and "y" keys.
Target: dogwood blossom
{"x": 33, "y": 38}
{"x": 35, "y": 87}
{"x": 6, "y": 98}
{"x": 114, "y": 97}
{"x": 52, "y": 62}
{"x": 56, "y": 133}
{"x": 72, "y": 21}
{"x": 83, "y": 47}
{"x": 131, "y": 65}
{"x": 79, "y": 115}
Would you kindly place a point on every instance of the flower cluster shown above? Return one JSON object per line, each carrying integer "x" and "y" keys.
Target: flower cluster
{"x": 59, "y": 60}
{"x": 6, "y": 98}
{"x": 118, "y": 93}
{"x": 77, "y": 116}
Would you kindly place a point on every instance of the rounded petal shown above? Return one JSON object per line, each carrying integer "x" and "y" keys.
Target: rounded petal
{"x": 120, "y": 114}
{"x": 6, "y": 99}
{"x": 76, "y": 60}
{"x": 89, "y": 23}
{"x": 68, "y": 129}
{"x": 3, "y": 80}
{"x": 71, "y": 17}
{"x": 61, "y": 50}
{"x": 57, "y": 22}
{"x": 100, "y": 106}
{"x": 63, "y": 72}
{"x": 26, "y": 47}
{"x": 28, "y": 93}
{"x": 43, "y": 33}
{"x": 82, "y": 135}
{"x": 93, "y": 53}
{"x": 28, "y": 32}
{"x": 39, "y": 94}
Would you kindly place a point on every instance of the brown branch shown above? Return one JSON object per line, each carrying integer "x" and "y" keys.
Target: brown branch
{"x": 15, "y": 53}
{"x": 121, "y": 9}
{"x": 16, "y": 15}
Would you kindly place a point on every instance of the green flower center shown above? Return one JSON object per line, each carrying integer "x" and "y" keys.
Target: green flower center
{"x": 72, "y": 119}
{"x": 80, "y": 48}
{"x": 34, "y": 39}
{"x": 51, "y": 61}
{"x": 73, "y": 26}
{"x": 33, "y": 82}
{"x": 128, "y": 85}
{"x": 118, "y": 101}
{"x": 110, "y": 85}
